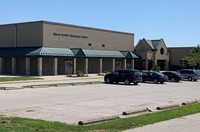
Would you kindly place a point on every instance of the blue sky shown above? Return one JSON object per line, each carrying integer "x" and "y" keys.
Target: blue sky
{"x": 176, "y": 21}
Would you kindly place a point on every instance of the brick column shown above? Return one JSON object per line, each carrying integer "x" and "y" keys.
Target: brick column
{"x": 39, "y": 66}
{"x": 27, "y": 61}
{"x": 86, "y": 65}
{"x": 132, "y": 63}
{"x": 13, "y": 65}
{"x": 100, "y": 66}
{"x": 155, "y": 63}
{"x": 113, "y": 64}
{"x": 167, "y": 65}
{"x": 74, "y": 66}
{"x": 55, "y": 66}
{"x": 124, "y": 63}
{"x": 146, "y": 64}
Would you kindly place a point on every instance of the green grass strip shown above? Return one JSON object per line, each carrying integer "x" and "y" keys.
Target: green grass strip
{"x": 31, "y": 125}
{"x": 2, "y": 88}
{"x": 22, "y": 78}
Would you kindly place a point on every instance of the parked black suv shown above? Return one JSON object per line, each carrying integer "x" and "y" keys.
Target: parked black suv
{"x": 189, "y": 74}
{"x": 127, "y": 76}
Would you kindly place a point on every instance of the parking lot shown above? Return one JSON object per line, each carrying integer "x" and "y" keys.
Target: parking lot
{"x": 71, "y": 104}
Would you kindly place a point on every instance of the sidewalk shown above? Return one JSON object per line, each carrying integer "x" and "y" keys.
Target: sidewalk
{"x": 190, "y": 123}
{"x": 50, "y": 80}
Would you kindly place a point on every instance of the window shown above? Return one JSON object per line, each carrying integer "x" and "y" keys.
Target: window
{"x": 89, "y": 44}
{"x": 183, "y": 63}
{"x": 162, "y": 51}
{"x": 103, "y": 45}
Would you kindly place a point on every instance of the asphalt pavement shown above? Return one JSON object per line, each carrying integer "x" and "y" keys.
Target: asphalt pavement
{"x": 71, "y": 104}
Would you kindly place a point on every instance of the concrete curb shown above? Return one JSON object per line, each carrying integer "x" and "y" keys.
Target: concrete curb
{"x": 167, "y": 106}
{"x": 98, "y": 120}
{"x": 61, "y": 85}
{"x": 136, "y": 111}
{"x": 190, "y": 102}
{"x": 12, "y": 88}
{"x": 45, "y": 86}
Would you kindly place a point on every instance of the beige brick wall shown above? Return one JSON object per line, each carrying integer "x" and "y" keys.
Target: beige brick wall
{"x": 36, "y": 34}
{"x": 29, "y": 34}
{"x": 7, "y": 36}
{"x": 59, "y": 36}
{"x": 21, "y": 35}
{"x": 141, "y": 49}
{"x": 158, "y": 55}
{"x": 176, "y": 54}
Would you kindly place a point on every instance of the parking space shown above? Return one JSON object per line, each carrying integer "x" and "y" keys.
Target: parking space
{"x": 71, "y": 104}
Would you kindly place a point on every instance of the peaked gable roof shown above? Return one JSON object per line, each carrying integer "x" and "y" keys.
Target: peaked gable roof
{"x": 129, "y": 55}
{"x": 153, "y": 43}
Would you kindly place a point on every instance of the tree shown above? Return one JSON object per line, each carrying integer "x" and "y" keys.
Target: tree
{"x": 193, "y": 59}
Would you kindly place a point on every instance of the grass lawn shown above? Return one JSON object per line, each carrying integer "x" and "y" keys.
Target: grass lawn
{"x": 15, "y": 124}
{"x": 21, "y": 78}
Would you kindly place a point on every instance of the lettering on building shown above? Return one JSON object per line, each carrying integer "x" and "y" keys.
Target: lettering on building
{"x": 70, "y": 35}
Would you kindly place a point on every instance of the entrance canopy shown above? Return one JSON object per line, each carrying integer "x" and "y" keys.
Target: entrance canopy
{"x": 87, "y": 53}
{"x": 65, "y": 52}
{"x": 36, "y": 52}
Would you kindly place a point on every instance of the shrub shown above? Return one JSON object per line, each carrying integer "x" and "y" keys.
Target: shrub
{"x": 103, "y": 73}
{"x": 81, "y": 74}
{"x": 69, "y": 75}
{"x": 156, "y": 68}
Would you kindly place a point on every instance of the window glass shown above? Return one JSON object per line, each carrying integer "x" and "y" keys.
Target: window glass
{"x": 183, "y": 63}
{"x": 162, "y": 51}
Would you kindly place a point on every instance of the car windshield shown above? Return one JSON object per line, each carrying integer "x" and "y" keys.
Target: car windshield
{"x": 137, "y": 73}
{"x": 159, "y": 73}
{"x": 198, "y": 71}
{"x": 175, "y": 72}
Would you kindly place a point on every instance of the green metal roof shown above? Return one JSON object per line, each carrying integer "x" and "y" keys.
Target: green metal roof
{"x": 103, "y": 53}
{"x": 97, "y": 53}
{"x": 130, "y": 55}
{"x": 45, "y": 51}
{"x": 35, "y": 51}
{"x": 64, "y": 52}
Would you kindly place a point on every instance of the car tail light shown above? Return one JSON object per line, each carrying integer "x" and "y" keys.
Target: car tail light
{"x": 134, "y": 76}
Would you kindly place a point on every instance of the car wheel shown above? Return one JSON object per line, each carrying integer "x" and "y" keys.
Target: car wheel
{"x": 107, "y": 80}
{"x": 173, "y": 80}
{"x": 190, "y": 78}
{"x": 177, "y": 80}
{"x": 126, "y": 81}
{"x": 195, "y": 80}
{"x": 161, "y": 82}
{"x": 135, "y": 83}
{"x": 155, "y": 81}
